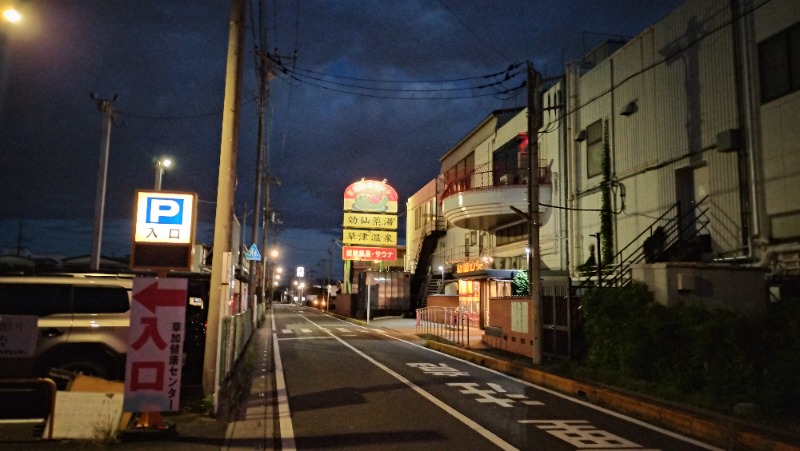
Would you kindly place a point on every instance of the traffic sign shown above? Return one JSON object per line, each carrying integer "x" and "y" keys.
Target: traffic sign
{"x": 252, "y": 254}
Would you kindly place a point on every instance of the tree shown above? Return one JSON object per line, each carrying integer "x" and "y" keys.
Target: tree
{"x": 520, "y": 283}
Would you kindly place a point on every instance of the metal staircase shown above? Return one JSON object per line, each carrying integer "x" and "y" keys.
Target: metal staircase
{"x": 674, "y": 236}
{"x": 421, "y": 281}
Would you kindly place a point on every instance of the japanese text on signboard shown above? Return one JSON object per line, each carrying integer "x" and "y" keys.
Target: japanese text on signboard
{"x": 155, "y": 345}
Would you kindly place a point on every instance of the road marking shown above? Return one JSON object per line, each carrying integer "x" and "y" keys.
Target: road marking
{"x": 284, "y": 414}
{"x": 583, "y": 435}
{"x": 612, "y": 413}
{"x": 454, "y": 413}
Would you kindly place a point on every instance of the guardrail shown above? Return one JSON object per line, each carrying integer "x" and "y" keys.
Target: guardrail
{"x": 450, "y": 323}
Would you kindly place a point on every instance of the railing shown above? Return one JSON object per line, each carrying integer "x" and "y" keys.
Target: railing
{"x": 450, "y": 323}
{"x": 490, "y": 175}
{"x": 669, "y": 228}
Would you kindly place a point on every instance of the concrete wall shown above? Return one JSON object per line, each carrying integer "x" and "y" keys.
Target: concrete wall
{"x": 743, "y": 290}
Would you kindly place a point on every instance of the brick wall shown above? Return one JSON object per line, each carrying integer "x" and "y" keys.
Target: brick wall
{"x": 498, "y": 333}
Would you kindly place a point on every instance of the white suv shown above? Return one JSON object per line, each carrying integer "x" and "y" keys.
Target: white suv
{"x": 83, "y": 320}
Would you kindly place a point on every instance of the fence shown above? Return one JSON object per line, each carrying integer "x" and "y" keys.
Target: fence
{"x": 234, "y": 333}
{"x": 450, "y": 323}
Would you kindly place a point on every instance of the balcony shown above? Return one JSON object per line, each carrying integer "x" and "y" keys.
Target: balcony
{"x": 480, "y": 199}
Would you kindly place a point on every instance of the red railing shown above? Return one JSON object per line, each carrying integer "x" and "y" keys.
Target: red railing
{"x": 489, "y": 176}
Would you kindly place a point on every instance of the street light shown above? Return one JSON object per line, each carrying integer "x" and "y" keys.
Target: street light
{"x": 161, "y": 164}
{"x": 12, "y": 15}
{"x": 441, "y": 268}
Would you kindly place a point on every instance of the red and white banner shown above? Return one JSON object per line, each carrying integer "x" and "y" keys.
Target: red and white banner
{"x": 155, "y": 345}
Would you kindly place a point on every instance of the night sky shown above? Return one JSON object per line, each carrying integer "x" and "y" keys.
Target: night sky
{"x": 375, "y": 89}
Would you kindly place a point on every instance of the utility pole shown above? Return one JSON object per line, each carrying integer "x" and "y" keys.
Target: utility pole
{"x": 221, "y": 276}
{"x": 262, "y": 65}
{"x": 102, "y": 175}
{"x": 534, "y": 264}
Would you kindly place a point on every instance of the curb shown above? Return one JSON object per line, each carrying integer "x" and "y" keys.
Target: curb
{"x": 721, "y": 432}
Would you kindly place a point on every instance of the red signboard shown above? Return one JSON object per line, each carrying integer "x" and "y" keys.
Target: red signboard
{"x": 155, "y": 345}
{"x": 369, "y": 253}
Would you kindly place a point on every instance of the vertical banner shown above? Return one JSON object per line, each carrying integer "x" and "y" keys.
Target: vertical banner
{"x": 155, "y": 345}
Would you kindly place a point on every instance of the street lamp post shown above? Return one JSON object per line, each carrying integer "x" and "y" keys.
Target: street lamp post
{"x": 105, "y": 106}
{"x": 161, "y": 164}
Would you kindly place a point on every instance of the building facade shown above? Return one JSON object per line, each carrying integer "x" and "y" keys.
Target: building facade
{"x": 680, "y": 148}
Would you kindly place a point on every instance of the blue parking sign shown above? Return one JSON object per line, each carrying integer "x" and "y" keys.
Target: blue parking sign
{"x": 162, "y": 210}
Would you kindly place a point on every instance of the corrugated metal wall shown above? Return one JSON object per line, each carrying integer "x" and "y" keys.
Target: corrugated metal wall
{"x": 680, "y": 75}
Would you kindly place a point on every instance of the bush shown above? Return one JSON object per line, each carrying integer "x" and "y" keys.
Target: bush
{"x": 714, "y": 359}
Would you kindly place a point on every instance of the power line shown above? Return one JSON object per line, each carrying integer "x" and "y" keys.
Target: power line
{"x": 301, "y": 77}
{"x": 373, "y": 80}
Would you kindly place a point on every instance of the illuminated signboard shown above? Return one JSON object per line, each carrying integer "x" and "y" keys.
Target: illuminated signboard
{"x": 380, "y": 238}
{"x": 469, "y": 266}
{"x": 163, "y": 230}
{"x": 369, "y": 253}
{"x": 370, "y": 196}
{"x": 370, "y": 221}
{"x": 164, "y": 217}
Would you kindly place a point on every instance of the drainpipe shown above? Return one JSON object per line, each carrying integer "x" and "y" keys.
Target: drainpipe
{"x": 743, "y": 39}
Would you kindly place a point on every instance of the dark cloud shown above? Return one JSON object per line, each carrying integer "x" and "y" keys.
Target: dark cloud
{"x": 166, "y": 61}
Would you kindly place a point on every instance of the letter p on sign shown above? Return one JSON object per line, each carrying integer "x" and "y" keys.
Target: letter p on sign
{"x": 164, "y": 211}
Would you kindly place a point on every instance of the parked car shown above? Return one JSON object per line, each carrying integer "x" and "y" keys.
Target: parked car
{"x": 83, "y": 320}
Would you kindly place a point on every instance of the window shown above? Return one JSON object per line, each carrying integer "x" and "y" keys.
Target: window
{"x": 33, "y": 299}
{"x": 508, "y": 167}
{"x": 779, "y": 64}
{"x": 100, "y": 300}
{"x": 594, "y": 149}
{"x": 513, "y": 234}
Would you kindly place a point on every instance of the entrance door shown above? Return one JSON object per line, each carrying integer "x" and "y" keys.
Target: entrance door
{"x": 691, "y": 185}
{"x": 556, "y": 319}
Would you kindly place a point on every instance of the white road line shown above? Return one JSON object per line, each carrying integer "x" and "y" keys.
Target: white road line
{"x": 621, "y": 416}
{"x": 284, "y": 414}
{"x": 456, "y": 414}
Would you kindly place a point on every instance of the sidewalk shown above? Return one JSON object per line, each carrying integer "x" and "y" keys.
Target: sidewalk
{"x": 254, "y": 425}
{"x": 408, "y": 326}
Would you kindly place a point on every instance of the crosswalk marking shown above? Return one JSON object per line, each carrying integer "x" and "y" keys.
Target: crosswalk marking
{"x": 350, "y": 331}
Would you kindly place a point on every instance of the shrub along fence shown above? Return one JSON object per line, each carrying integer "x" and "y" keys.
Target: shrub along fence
{"x": 712, "y": 359}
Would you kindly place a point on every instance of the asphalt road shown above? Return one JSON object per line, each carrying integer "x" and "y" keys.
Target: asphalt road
{"x": 349, "y": 386}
